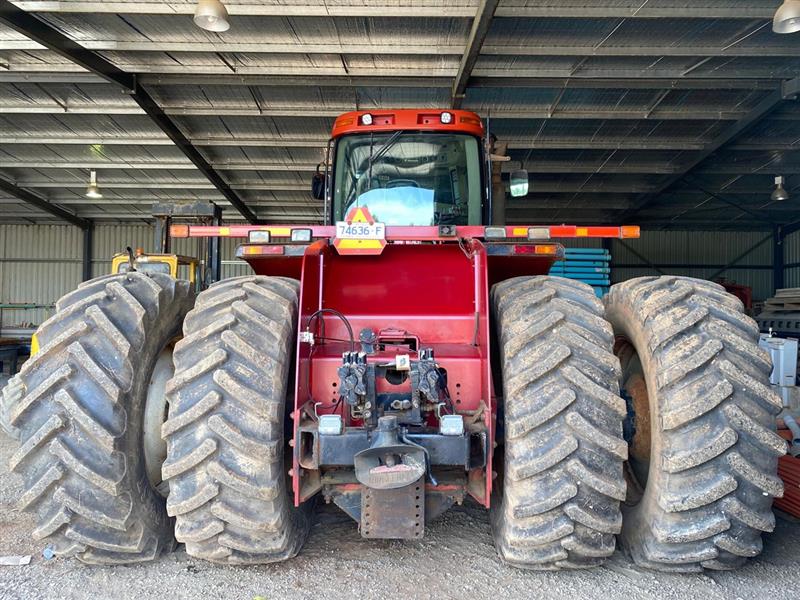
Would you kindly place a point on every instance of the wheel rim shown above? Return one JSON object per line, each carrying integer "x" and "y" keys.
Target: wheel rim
{"x": 637, "y": 424}
{"x": 155, "y": 413}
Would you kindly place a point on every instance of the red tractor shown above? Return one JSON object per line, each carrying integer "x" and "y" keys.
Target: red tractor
{"x": 405, "y": 356}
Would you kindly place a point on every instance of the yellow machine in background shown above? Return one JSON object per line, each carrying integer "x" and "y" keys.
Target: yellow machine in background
{"x": 175, "y": 265}
{"x": 179, "y": 267}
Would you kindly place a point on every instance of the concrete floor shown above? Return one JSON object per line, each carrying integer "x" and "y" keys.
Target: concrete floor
{"x": 455, "y": 560}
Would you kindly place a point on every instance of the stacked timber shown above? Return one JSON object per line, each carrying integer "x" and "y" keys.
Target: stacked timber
{"x": 781, "y": 313}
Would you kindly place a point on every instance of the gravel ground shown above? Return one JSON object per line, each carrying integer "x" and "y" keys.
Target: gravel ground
{"x": 455, "y": 560}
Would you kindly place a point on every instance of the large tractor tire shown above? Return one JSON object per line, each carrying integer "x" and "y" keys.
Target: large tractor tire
{"x": 562, "y": 463}
{"x": 226, "y": 461}
{"x": 705, "y": 474}
{"x": 81, "y": 418}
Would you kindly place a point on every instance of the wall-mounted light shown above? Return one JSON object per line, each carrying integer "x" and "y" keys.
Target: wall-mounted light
{"x": 212, "y": 15}
{"x": 787, "y": 17}
{"x": 780, "y": 194}
{"x": 93, "y": 191}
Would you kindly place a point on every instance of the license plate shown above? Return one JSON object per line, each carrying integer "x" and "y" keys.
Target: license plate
{"x": 360, "y": 231}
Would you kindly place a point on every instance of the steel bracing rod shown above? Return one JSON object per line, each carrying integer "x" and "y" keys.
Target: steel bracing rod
{"x": 44, "y": 34}
{"x": 691, "y": 181}
{"x": 42, "y": 204}
{"x": 641, "y": 257}
{"x": 772, "y": 101}
{"x": 742, "y": 256}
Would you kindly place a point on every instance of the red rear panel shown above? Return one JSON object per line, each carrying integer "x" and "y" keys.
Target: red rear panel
{"x": 436, "y": 293}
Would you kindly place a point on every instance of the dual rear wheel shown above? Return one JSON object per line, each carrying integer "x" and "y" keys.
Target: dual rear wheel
{"x": 681, "y": 462}
{"x": 91, "y": 417}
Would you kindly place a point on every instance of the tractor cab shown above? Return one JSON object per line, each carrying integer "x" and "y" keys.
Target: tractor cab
{"x": 411, "y": 168}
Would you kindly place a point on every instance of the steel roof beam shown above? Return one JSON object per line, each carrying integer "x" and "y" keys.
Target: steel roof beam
{"x": 428, "y": 78}
{"x": 541, "y": 187}
{"x": 305, "y": 111}
{"x": 245, "y": 47}
{"x": 42, "y": 204}
{"x": 638, "y": 51}
{"x": 252, "y": 9}
{"x": 154, "y": 165}
{"x": 521, "y": 49}
{"x": 609, "y": 143}
{"x": 643, "y": 12}
{"x": 116, "y": 216}
{"x": 623, "y": 82}
{"x": 546, "y": 166}
{"x": 461, "y": 9}
{"x": 477, "y": 34}
{"x": 619, "y": 79}
{"x": 44, "y": 34}
{"x": 412, "y": 49}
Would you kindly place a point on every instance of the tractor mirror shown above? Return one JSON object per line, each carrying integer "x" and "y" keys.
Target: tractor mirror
{"x": 519, "y": 183}
{"x": 318, "y": 186}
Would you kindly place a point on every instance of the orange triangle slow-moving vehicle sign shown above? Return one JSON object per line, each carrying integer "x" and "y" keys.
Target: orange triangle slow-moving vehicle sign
{"x": 359, "y": 233}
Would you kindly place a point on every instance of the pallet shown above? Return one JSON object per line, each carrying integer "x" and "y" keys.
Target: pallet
{"x": 784, "y": 300}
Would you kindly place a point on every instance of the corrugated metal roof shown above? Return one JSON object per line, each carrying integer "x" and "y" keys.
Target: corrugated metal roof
{"x": 604, "y": 101}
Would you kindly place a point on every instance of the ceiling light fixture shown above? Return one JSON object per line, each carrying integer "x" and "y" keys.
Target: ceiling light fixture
{"x": 780, "y": 194}
{"x": 787, "y": 17}
{"x": 93, "y": 191}
{"x": 212, "y": 15}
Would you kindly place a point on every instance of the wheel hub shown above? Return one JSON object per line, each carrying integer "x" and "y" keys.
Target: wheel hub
{"x": 155, "y": 413}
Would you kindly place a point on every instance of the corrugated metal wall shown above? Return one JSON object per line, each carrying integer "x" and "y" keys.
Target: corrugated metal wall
{"x": 40, "y": 263}
{"x": 675, "y": 251}
{"x": 791, "y": 256}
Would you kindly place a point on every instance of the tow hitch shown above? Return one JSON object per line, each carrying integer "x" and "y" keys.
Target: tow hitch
{"x": 393, "y": 475}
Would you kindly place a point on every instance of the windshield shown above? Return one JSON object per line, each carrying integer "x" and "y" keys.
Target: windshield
{"x": 409, "y": 178}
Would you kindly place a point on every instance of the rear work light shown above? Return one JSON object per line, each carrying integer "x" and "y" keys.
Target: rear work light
{"x": 301, "y": 235}
{"x": 539, "y": 233}
{"x": 366, "y": 119}
{"x": 258, "y": 237}
{"x": 447, "y": 118}
{"x": 494, "y": 233}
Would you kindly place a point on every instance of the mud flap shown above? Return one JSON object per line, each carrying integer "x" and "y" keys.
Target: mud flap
{"x": 397, "y": 513}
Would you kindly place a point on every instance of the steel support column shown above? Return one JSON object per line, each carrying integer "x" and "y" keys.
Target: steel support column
{"x": 88, "y": 246}
{"x": 778, "y": 271}
{"x": 214, "y": 270}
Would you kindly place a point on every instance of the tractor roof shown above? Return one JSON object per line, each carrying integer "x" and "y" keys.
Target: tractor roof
{"x": 424, "y": 119}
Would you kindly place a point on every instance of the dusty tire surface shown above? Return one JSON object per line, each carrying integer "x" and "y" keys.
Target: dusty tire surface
{"x": 713, "y": 468}
{"x": 80, "y": 418}
{"x": 563, "y": 449}
{"x": 9, "y": 396}
{"x": 225, "y": 431}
